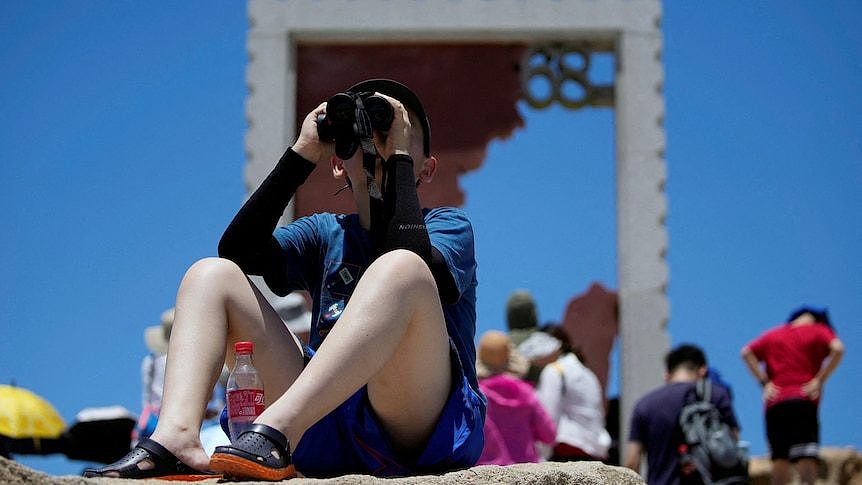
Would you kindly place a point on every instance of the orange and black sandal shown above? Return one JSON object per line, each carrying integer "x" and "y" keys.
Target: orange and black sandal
{"x": 162, "y": 465}
{"x": 261, "y": 453}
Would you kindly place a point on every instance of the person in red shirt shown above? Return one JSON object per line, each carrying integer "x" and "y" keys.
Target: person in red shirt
{"x": 788, "y": 361}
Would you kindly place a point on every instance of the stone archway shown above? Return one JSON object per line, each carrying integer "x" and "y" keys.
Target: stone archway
{"x": 282, "y": 32}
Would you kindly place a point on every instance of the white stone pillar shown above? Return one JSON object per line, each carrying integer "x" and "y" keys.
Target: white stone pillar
{"x": 271, "y": 101}
{"x": 641, "y": 209}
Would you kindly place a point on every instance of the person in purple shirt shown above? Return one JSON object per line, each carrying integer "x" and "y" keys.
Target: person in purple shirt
{"x": 655, "y": 426}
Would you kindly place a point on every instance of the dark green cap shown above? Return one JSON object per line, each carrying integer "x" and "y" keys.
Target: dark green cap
{"x": 521, "y": 310}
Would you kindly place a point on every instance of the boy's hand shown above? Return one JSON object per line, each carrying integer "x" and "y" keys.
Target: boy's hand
{"x": 398, "y": 139}
{"x": 308, "y": 145}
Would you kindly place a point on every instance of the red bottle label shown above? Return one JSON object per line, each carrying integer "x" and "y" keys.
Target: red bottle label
{"x": 245, "y": 403}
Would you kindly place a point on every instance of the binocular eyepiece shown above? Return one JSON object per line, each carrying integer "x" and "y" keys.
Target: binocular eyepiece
{"x": 351, "y": 116}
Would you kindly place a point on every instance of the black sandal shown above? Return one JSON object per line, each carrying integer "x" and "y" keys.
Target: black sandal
{"x": 261, "y": 453}
{"x": 166, "y": 466}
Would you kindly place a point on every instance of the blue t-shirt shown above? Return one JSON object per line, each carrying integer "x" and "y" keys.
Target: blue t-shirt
{"x": 326, "y": 254}
{"x": 655, "y": 424}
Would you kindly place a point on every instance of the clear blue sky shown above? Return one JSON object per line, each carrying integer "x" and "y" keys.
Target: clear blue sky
{"x": 121, "y": 156}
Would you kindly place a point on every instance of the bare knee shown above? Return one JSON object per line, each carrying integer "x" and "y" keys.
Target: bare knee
{"x": 403, "y": 267}
{"x": 211, "y": 271}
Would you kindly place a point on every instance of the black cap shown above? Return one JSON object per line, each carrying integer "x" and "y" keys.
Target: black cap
{"x": 406, "y": 96}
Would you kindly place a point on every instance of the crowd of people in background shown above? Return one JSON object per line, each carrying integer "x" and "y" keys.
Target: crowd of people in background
{"x": 545, "y": 404}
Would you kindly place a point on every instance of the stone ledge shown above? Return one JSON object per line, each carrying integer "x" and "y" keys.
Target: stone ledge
{"x": 577, "y": 473}
{"x": 838, "y": 466}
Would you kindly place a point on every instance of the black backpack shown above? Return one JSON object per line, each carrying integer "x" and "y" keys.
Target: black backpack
{"x": 709, "y": 442}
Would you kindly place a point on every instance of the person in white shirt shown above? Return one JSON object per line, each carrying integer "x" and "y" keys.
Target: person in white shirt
{"x": 572, "y": 395}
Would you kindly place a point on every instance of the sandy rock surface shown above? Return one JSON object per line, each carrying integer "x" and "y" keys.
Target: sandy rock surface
{"x": 578, "y": 473}
{"x": 838, "y": 466}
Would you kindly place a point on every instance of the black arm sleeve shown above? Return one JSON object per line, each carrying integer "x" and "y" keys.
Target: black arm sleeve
{"x": 248, "y": 240}
{"x": 405, "y": 224}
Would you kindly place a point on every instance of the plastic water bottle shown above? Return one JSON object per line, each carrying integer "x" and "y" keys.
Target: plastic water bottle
{"x": 244, "y": 391}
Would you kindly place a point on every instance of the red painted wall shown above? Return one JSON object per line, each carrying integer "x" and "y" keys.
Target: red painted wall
{"x": 469, "y": 92}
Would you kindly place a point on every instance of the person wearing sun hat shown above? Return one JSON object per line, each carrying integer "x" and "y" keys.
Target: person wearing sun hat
{"x": 389, "y": 370}
{"x": 156, "y": 338}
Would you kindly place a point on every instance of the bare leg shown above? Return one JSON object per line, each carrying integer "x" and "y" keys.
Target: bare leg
{"x": 780, "y": 472}
{"x": 391, "y": 336}
{"x": 807, "y": 469}
{"x": 216, "y": 306}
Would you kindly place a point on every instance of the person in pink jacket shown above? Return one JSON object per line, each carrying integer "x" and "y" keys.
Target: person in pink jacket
{"x": 515, "y": 419}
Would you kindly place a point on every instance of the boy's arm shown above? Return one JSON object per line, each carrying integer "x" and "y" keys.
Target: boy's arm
{"x": 248, "y": 240}
{"x": 405, "y": 224}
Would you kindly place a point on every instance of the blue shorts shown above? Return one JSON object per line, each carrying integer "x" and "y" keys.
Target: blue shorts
{"x": 351, "y": 439}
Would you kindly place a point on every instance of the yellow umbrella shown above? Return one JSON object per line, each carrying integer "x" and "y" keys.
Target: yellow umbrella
{"x": 26, "y": 415}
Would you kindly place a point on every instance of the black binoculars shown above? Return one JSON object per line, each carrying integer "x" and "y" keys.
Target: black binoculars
{"x": 352, "y": 116}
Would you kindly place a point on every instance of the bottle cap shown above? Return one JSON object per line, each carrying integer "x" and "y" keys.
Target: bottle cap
{"x": 243, "y": 347}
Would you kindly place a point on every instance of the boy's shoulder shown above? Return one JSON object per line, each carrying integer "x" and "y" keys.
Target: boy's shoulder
{"x": 446, "y": 216}
{"x": 444, "y": 211}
